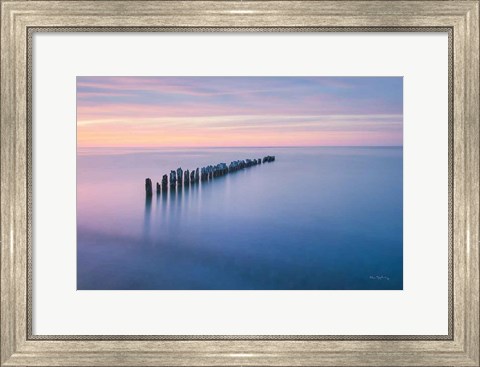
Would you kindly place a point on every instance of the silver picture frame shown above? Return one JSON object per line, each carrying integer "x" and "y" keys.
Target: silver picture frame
{"x": 20, "y": 20}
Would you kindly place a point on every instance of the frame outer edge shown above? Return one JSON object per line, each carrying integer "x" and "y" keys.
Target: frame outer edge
{"x": 472, "y": 132}
{"x": 459, "y": 188}
{"x": 21, "y": 177}
{"x": 8, "y": 300}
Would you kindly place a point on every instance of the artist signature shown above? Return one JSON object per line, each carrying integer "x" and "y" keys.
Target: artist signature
{"x": 379, "y": 277}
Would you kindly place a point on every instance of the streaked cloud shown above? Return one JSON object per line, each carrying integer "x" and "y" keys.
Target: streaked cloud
{"x": 239, "y": 111}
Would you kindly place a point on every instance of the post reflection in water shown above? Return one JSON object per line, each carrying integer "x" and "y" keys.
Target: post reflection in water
{"x": 161, "y": 204}
{"x": 147, "y": 218}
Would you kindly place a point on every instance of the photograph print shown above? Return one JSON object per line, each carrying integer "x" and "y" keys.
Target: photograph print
{"x": 239, "y": 183}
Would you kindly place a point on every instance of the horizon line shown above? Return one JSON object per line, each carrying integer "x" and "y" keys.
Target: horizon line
{"x": 236, "y": 146}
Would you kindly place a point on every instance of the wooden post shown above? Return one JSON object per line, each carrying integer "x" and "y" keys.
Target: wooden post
{"x": 164, "y": 182}
{"x": 173, "y": 178}
{"x": 148, "y": 187}
{"x": 179, "y": 175}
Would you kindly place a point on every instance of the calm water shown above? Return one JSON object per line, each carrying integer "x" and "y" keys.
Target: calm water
{"x": 316, "y": 218}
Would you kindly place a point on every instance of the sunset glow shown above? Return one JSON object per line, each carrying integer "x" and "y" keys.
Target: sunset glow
{"x": 239, "y": 111}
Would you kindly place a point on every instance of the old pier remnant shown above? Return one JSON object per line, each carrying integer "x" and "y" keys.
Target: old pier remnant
{"x": 148, "y": 187}
{"x": 187, "y": 177}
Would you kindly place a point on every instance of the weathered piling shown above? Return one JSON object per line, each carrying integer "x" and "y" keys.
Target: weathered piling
{"x": 173, "y": 178}
{"x": 269, "y": 158}
{"x": 197, "y": 175}
{"x": 220, "y": 170}
{"x": 158, "y": 188}
{"x": 186, "y": 178}
{"x": 179, "y": 175}
{"x": 164, "y": 182}
{"x": 192, "y": 176}
{"x": 148, "y": 187}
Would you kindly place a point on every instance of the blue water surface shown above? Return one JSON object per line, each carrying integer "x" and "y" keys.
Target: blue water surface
{"x": 322, "y": 218}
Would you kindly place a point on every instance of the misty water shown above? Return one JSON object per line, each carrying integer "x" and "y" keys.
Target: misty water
{"x": 322, "y": 218}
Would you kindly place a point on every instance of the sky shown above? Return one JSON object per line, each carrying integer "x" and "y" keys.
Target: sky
{"x": 239, "y": 111}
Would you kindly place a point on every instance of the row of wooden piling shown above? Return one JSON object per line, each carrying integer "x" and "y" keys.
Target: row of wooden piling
{"x": 180, "y": 177}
